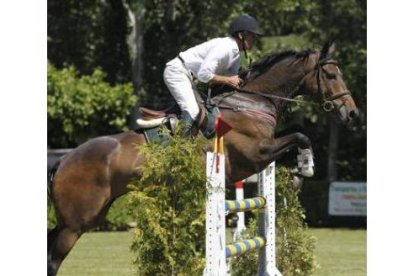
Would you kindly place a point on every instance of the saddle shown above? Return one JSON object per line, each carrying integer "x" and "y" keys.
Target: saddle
{"x": 151, "y": 120}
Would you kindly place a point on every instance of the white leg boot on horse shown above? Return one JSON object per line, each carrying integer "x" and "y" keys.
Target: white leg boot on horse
{"x": 305, "y": 162}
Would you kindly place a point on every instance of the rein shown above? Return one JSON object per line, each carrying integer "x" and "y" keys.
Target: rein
{"x": 327, "y": 103}
{"x": 270, "y": 96}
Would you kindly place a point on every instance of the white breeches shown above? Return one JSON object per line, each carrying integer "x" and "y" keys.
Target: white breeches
{"x": 178, "y": 80}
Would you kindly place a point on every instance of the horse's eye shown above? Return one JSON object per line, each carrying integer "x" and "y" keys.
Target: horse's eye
{"x": 331, "y": 76}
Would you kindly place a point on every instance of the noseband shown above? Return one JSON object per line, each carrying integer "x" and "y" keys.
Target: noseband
{"x": 328, "y": 103}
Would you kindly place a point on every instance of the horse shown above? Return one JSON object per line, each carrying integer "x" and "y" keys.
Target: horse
{"x": 87, "y": 180}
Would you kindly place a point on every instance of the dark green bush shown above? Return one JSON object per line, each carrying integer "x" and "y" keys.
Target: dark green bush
{"x": 81, "y": 107}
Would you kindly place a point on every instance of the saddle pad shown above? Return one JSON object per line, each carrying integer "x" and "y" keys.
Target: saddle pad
{"x": 154, "y": 135}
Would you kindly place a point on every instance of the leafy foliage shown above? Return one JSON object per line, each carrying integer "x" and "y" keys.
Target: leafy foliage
{"x": 295, "y": 247}
{"x": 168, "y": 203}
{"x": 296, "y": 251}
{"x": 83, "y": 107}
{"x": 89, "y": 34}
{"x": 51, "y": 217}
{"x": 120, "y": 215}
{"x": 169, "y": 206}
{"x": 93, "y": 34}
{"x": 178, "y": 25}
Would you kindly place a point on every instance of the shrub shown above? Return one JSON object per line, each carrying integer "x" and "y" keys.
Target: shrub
{"x": 169, "y": 206}
{"x": 294, "y": 245}
{"x": 80, "y": 107}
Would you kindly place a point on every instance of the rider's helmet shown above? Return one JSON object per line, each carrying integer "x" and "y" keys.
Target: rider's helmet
{"x": 245, "y": 23}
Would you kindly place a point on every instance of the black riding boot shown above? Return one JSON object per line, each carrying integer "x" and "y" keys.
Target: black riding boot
{"x": 187, "y": 124}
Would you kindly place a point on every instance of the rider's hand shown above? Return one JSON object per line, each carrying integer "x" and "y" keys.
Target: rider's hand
{"x": 234, "y": 81}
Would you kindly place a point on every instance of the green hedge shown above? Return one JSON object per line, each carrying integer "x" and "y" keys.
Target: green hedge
{"x": 169, "y": 207}
{"x": 295, "y": 246}
{"x": 81, "y": 107}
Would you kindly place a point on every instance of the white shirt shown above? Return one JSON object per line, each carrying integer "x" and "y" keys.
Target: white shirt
{"x": 218, "y": 56}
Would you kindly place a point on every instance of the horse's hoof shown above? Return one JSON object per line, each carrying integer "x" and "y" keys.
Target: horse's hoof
{"x": 307, "y": 172}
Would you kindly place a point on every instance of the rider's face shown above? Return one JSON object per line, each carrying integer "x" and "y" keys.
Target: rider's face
{"x": 250, "y": 39}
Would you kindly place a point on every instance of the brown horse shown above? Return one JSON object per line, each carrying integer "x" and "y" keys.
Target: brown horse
{"x": 88, "y": 179}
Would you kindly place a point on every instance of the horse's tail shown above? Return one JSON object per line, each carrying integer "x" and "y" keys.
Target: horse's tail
{"x": 50, "y": 178}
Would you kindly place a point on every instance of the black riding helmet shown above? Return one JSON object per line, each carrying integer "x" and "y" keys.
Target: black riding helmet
{"x": 245, "y": 23}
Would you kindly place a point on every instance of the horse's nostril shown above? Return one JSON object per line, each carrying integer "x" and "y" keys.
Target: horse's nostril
{"x": 353, "y": 114}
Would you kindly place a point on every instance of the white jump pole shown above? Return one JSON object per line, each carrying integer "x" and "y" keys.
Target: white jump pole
{"x": 216, "y": 249}
{"x": 267, "y": 222}
{"x": 241, "y": 225}
{"x": 215, "y": 216}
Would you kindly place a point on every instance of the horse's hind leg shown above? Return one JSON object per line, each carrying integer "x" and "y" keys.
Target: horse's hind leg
{"x": 51, "y": 236}
{"x": 60, "y": 242}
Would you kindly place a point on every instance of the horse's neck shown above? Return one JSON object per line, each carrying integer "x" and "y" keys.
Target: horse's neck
{"x": 281, "y": 80}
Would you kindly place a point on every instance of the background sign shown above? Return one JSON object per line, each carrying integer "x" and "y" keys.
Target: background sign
{"x": 348, "y": 199}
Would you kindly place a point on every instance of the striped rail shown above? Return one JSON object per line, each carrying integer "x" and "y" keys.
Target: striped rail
{"x": 243, "y": 205}
{"x": 217, "y": 253}
{"x": 241, "y": 247}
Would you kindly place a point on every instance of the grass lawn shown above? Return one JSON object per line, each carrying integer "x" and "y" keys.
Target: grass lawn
{"x": 341, "y": 252}
{"x": 100, "y": 253}
{"x": 338, "y": 251}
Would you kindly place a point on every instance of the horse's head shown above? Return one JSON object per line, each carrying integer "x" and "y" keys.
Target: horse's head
{"x": 326, "y": 83}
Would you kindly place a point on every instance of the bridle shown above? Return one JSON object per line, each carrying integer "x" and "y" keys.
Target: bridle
{"x": 327, "y": 103}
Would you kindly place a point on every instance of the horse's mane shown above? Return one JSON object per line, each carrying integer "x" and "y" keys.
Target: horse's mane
{"x": 261, "y": 66}
{"x": 264, "y": 64}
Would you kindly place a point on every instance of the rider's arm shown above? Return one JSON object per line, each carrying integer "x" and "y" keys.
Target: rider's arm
{"x": 217, "y": 60}
{"x": 226, "y": 80}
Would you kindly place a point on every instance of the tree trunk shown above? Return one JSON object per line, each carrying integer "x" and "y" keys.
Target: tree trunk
{"x": 332, "y": 150}
{"x": 136, "y": 13}
{"x": 169, "y": 12}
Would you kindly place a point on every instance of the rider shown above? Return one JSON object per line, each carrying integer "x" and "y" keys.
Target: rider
{"x": 216, "y": 61}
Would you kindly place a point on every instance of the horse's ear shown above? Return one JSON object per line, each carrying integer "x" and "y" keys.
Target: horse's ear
{"x": 327, "y": 49}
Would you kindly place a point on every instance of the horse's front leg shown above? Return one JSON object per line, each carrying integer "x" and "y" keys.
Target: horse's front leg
{"x": 273, "y": 149}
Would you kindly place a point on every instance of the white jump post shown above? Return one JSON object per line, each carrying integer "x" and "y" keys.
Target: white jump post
{"x": 267, "y": 222}
{"x": 217, "y": 207}
{"x": 241, "y": 224}
{"x": 215, "y": 216}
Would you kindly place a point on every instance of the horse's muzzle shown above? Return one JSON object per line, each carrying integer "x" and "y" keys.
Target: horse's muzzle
{"x": 348, "y": 117}
{"x": 353, "y": 114}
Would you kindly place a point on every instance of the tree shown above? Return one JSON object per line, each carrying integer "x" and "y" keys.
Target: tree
{"x": 81, "y": 107}
{"x": 133, "y": 39}
{"x": 89, "y": 34}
